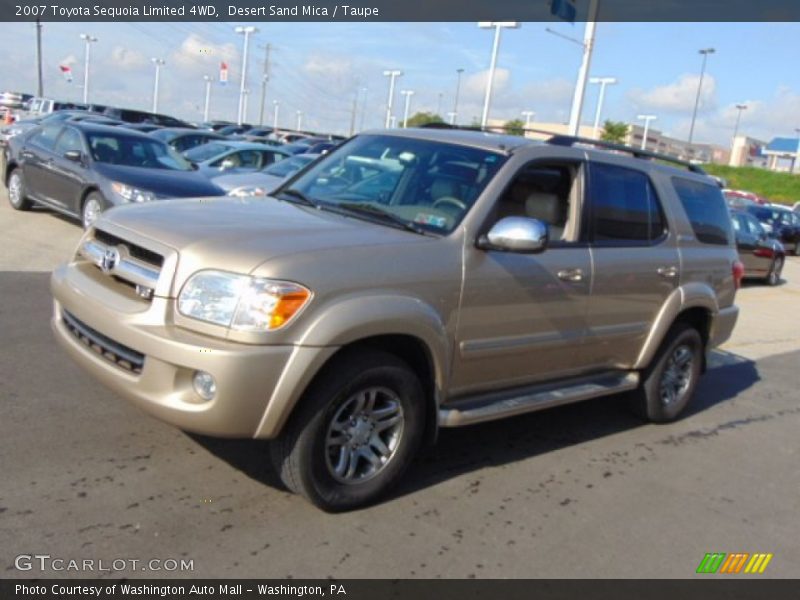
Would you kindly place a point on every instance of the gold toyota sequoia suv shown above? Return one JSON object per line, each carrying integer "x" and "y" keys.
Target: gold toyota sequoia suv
{"x": 409, "y": 280}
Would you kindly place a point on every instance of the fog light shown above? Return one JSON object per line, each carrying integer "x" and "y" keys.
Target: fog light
{"x": 204, "y": 385}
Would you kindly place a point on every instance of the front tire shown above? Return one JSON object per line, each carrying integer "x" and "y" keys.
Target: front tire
{"x": 355, "y": 432}
{"x": 93, "y": 207}
{"x": 668, "y": 383}
{"x": 774, "y": 275}
{"x": 17, "y": 197}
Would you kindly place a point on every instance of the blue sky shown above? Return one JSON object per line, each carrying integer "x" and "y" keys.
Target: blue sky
{"x": 318, "y": 68}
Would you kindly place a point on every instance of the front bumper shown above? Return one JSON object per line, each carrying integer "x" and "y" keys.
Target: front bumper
{"x": 247, "y": 376}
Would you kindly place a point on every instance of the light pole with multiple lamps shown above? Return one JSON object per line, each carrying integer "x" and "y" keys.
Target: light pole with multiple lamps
{"x": 158, "y": 62}
{"x": 646, "y": 119}
{"x": 299, "y": 120}
{"x": 275, "y": 107}
{"x": 247, "y": 32}
{"x": 392, "y": 75}
{"x": 407, "y": 94}
{"x": 705, "y": 52}
{"x": 497, "y": 26}
{"x": 602, "y": 82}
{"x": 89, "y": 40}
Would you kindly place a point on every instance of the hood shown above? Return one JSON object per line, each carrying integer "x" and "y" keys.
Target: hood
{"x": 239, "y": 234}
{"x": 162, "y": 182}
{"x": 231, "y": 182}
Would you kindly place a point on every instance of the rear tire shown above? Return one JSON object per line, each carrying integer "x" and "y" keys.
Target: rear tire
{"x": 668, "y": 383}
{"x": 355, "y": 432}
{"x": 774, "y": 276}
{"x": 16, "y": 191}
{"x": 93, "y": 206}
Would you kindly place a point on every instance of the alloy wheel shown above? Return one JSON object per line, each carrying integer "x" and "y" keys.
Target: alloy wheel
{"x": 363, "y": 435}
{"x": 677, "y": 376}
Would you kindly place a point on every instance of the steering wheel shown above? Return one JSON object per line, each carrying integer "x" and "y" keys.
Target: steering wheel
{"x": 449, "y": 201}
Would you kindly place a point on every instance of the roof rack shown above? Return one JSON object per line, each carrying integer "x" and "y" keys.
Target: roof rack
{"x": 570, "y": 140}
{"x": 558, "y": 139}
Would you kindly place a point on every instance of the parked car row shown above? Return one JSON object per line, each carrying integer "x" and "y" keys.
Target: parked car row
{"x": 765, "y": 233}
{"x": 81, "y": 162}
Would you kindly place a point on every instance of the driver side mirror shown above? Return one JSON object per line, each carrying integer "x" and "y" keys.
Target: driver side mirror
{"x": 74, "y": 156}
{"x": 516, "y": 234}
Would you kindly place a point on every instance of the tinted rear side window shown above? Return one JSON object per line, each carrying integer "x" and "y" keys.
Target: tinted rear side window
{"x": 705, "y": 206}
{"x": 624, "y": 207}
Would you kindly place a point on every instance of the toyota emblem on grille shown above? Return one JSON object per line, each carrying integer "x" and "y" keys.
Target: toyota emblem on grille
{"x": 109, "y": 260}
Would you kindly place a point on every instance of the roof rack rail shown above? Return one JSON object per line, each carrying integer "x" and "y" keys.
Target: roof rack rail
{"x": 570, "y": 140}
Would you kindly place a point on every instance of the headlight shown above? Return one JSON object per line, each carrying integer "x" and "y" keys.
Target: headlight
{"x": 132, "y": 194}
{"x": 245, "y": 191}
{"x": 241, "y": 302}
{"x": 13, "y": 131}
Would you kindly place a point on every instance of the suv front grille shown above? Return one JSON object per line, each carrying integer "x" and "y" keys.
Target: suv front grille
{"x": 135, "y": 251}
{"x": 126, "y": 262}
{"x": 123, "y": 357}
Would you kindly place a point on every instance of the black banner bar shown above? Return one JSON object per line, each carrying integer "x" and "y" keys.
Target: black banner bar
{"x": 398, "y": 10}
{"x": 701, "y": 588}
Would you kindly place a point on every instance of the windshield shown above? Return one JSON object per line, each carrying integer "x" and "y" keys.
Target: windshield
{"x": 132, "y": 151}
{"x": 206, "y": 152}
{"x": 430, "y": 185}
{"x": 288, "y": 166}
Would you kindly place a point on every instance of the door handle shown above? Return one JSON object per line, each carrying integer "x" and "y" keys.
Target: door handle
{"x": 571, "y": 275}
{"x": 668, "y": 272}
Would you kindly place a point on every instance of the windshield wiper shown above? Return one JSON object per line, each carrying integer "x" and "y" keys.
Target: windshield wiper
{"x": 299, "y": 197}
{"x": 384, "y": 215}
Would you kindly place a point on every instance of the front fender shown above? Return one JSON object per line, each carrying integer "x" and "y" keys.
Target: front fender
{"x": 347, "y": 321}
{"x": 691, "y": 295}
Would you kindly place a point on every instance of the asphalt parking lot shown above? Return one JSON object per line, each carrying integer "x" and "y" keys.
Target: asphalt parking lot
{"x": 580, "y": 491}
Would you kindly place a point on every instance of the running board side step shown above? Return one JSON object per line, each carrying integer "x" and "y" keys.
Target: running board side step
{"x": 489, "y": 407}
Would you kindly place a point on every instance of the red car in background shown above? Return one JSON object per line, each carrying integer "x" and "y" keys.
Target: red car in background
{"x": 743, "y": 199}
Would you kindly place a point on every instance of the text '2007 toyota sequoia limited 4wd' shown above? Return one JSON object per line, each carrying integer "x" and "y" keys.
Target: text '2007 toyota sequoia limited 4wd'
{"x": 410, "y": 280}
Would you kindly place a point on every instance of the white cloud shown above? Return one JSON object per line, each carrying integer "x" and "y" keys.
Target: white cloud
{"x": 678, "y": 96}
{"x": 198, "y": 56}
{"x": 126, "y": 59}
{"x": 475, "y": 84}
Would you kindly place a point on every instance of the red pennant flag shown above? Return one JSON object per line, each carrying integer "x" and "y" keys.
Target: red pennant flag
{"x": 66, "y": 71}
{"x": 223, "y": 73}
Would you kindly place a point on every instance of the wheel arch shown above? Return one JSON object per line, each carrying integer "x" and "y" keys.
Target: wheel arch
{"x": 695, "y": 305}
{"x": 397, "y": 325}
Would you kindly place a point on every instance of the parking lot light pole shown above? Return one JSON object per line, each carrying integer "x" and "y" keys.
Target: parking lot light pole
{"x": 299, "y": 120}
{"x": 407, "y": 94}
{"x": 244, "y": 104}
{"x": 246, "y": 31}
{"x": 646, "y": 119}
{"x": 497, "y": 26}
{"x": 158, "y": 62}
{"x": 392, "y": 75}
{"x": 796, "y": 165}
{"x": 208, "y": 81}
{"x": 602, "y": 82}
{"x": 705, "y": 52}
{"x": 459, "y": 72}
{"x": 275, "y": 105}
{"x": 528, "y": 114}
{"x": 88, "y": 39}
{"x": 363, "y": 109}
{"x": 452, "y": 116}
{"x": 583, "y": 71}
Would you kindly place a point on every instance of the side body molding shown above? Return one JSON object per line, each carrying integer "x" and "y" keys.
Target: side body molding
{"x": 349, "y": 320}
